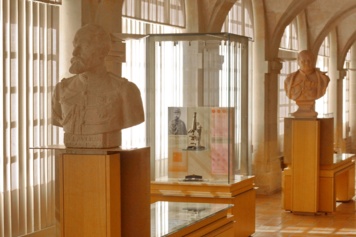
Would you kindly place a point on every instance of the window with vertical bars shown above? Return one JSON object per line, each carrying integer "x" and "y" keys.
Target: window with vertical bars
{"x": 286, "y": 105}
{"x": 134, "y": 66}
{"x": 346, "y": 99}
{"x": 29, "y": 69}
{"x": 166, "y": 12}
{"x": 289, "y": 43}
{"x": 322, "y": 62}
{"x": 239, "y": 19}
{"x": 289, "y": 39}
{"x": 134, "y": 69}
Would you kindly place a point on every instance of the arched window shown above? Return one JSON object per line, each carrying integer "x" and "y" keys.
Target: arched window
{"x": 288, "y": 51}
{"x": 239, "y": 19}
{"x": 322, "y": 62}
{"x": 289, "y": 39}
{"x": 346, "y": 105}
{"x": 165, "y": 12}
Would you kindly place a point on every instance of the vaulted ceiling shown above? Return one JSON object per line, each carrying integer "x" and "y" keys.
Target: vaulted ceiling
{"x": 320, "y": 17}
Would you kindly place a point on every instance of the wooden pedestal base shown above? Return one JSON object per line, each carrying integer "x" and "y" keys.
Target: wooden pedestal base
{"x": 336, "y": 183}
{"x": 102, "y": 193}
{"x": 316, "y": 177}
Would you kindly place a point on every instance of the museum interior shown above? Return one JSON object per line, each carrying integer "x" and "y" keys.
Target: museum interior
{"x": 178, "y": 118}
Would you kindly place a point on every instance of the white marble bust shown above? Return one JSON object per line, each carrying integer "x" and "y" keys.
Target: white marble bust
{"x": 306, "y": 85}
{"x": 94, "y": 105}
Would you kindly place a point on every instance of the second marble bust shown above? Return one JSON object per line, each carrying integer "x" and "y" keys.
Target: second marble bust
{"x": 306, "y": 85}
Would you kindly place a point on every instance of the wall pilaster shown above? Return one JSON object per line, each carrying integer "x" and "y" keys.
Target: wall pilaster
{"x": 352, "y": 71}
{"x": 338, "y": 115}
{"x": 266, "y": 165}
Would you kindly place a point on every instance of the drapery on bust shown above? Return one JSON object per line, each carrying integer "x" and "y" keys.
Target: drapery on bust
{"x": 94, "y": 105}
{"x": 306, "y": 85}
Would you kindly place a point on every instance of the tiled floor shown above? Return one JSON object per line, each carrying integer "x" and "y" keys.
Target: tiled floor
{"x": 272, "y": 220}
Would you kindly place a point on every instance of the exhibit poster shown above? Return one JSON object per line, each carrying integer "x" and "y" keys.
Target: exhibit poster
{"x": 200, "y": 141}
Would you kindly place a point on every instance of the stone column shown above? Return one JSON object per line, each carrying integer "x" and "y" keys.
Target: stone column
{"x": 192, "y": 22}
{"x": 258, "y": 96}
{"x": 108, "y": 15}
{"x": 339, "y": 112}
{"x": 265, "y": 132}
{"x": 266, "y": 165}
{"x": 333, "y": 88}
{"x": 352, "y": 98}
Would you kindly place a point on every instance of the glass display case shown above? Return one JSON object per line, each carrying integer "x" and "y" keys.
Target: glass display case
{"x": 171, "y": 218}
{"x": 197, "y": 106}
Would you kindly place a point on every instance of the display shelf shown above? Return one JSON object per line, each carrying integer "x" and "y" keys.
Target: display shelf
{"x": 338, "y": 161}
{"x": 241, "y": 193}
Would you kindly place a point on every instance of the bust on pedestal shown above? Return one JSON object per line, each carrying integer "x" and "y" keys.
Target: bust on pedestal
{"x": 307, "y": 139}
{"x": 94, "y": 105}
{"x": 306, "y": 85}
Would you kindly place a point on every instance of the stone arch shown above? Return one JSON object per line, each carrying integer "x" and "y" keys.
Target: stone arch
{"x": 332, "y": 23}
{"x": 293, "y": 10}
{"x": 213, "y": 14}
{"x": 343, "y": 52}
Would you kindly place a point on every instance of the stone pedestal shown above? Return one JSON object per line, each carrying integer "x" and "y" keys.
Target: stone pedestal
{"x": 305, "y": 109}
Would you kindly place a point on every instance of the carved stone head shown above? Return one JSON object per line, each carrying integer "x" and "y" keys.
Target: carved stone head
{"x": 91, "y": 45}
{"x": 306, "y": 61}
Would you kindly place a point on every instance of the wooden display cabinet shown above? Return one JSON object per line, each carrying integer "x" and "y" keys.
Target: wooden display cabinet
{"x": 177, "y": 219}
{"x": 315, "y": 177}
{"x": 199, "y": 121}
{"x": 337, "y": 182}
{"x": 303, "y": 142}
{"x": 240, "y": 193}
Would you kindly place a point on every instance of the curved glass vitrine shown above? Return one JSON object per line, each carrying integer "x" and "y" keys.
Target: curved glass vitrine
{"x": 197, "y": 106}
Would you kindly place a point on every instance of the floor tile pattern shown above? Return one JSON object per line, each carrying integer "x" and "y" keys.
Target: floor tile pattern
{"x": 272, "y": 220}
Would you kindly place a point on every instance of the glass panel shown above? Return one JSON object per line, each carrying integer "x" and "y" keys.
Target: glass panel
{"x": 198, "y": 81}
